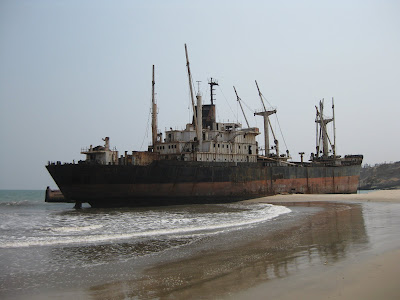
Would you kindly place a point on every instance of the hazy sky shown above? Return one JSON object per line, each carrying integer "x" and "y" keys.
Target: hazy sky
{"x": 73, "y": 72}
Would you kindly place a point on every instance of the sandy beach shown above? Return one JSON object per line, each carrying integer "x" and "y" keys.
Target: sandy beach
{"x": 374, "y": 276}
{"x": 372, "y": 196}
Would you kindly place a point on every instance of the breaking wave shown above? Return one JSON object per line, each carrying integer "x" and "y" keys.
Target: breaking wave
{"x": 134, "y": 225}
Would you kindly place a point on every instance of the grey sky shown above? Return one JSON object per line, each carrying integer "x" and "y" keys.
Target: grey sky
{"x": 73, "y": 72}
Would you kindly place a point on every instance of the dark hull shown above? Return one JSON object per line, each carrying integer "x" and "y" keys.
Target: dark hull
{"x": 168, "y": 183}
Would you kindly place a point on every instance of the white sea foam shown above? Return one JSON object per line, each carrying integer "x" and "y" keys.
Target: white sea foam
{"x": 76, "y": 228}
{"x": 16, "y": 203}
{"x": 104, "y": 228}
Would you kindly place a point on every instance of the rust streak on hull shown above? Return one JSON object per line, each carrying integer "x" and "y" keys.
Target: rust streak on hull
{"x": 203, "y": 192}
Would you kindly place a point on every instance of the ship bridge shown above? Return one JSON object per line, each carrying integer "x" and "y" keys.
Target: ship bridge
{"x": 220, "y": 142}
{"x": 101, "y": 154}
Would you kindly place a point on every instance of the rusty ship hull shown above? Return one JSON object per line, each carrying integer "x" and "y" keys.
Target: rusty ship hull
{"x": 170, "y": 183}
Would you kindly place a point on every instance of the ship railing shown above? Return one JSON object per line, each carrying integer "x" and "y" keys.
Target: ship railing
{"x": 86, "y": 149}
{"x": 271, "y": 108}
{"x": 49, "y": 163}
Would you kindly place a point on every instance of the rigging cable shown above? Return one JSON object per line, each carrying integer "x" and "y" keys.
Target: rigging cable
{"x": 252, "y": 111}
{"x": 248, "y": 107}
{"x": 279, "y": 125}
{"x": 227, "y": 102}
{"x": 147, "y": 129}
{"x": 280, "y": 129}
{"x": 266, "y": 100}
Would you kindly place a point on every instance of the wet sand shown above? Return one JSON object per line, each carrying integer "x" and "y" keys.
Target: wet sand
{"x": 372, "y": 275}
{"x": 372, "y": 196}
{"x": 331, "y": 247}
{"x": 373, "y": 278}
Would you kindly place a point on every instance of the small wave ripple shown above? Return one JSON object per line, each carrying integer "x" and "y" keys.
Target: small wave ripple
{"x": 46, "y": 229}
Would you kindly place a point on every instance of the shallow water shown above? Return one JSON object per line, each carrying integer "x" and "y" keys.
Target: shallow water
{"x": 44, "y": 246}
{"x": 26, "y": 222}
{"x": 182, "y": 252}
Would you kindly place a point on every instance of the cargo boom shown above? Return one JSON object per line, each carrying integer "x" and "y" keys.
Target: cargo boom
{"x": 204, "y": 163}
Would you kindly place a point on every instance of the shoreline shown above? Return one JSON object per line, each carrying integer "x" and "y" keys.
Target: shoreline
{"x": 373, "y": 276}
{"x": 370, "y": 196}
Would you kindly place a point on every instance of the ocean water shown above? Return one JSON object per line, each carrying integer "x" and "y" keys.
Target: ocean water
{"x": 52, "y": 251}
{"x": 45, "y": 245}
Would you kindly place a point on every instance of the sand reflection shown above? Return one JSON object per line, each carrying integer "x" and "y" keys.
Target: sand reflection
{"x": 322, "y": 238}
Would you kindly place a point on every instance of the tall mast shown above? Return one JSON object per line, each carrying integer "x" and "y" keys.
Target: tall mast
{"x": 334, "y": 130}
{"x": 324, "y": 132}
{"x": 238, "y": 99}
{"x": 198, "y": 133}
{"x": 199, "y": 112}
{"x": 259, "y": 93}
{"x": 266, "y": 113}
{"x": 154, "y": 113}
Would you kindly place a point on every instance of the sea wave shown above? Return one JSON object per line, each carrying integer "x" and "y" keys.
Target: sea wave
{"x": 17, "y": 203}
{"x": 214, "y": 223}
{"x": 76, "y": 228}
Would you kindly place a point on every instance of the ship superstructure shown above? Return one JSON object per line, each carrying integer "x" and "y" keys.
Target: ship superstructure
{"x": 204, "y": 139}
